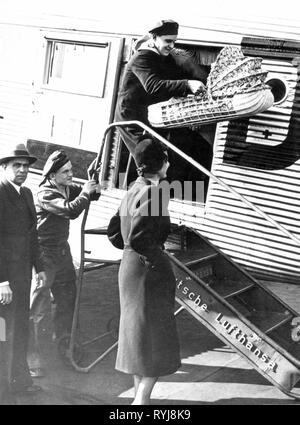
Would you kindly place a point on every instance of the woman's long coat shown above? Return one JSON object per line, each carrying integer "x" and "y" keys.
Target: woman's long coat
{"x": 148, "y": 340}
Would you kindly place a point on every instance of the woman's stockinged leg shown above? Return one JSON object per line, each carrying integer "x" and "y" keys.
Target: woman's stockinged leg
{"x": 136, "y": 380}
{"x": 144, "y": 390}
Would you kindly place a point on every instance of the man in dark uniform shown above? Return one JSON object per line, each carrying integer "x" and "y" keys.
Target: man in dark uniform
{"x": 19, "y": 253}
{"x": 153, "y": 74}
{"x": 59, "y": 200}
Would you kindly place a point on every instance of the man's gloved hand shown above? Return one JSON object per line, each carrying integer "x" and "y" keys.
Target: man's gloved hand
{"x": 92, "y": 171}
{"x": 196, "y": 87}
{"x": 40, "y": 280}
{"x": 90, "y": 186}
{"x": 5, "y": 294}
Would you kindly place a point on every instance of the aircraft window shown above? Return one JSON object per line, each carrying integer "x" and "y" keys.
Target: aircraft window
{"x": 279, "y": 89}
{"x": 76, "y": 67}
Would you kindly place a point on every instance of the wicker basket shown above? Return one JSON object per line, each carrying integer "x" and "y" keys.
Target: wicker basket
{"x": 192, "y": 110}
{"x": 235, "y": 88}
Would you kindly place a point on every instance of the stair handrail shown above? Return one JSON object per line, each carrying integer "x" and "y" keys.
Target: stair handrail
{"x": 200, "y": 168}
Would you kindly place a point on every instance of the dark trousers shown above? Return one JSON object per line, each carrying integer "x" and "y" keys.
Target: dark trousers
{"x": 4, "y": 387}
{"x": 6, "y": 397}
{"x": 14, "y": 369}
{"x": 61, "y": 284}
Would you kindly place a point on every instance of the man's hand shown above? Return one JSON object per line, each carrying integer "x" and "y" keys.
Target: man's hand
{"x": 196, "y": 87}
{"x": 40, "y": 280}
{"x": 92, "y": 172}
{"x": 5, "y": 294}
{"x": 90, "y": 186}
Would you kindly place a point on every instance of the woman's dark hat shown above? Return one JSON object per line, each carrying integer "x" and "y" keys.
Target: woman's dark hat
{"x": 165, "y": 27}
{"x": 18, "y": 151}
{"x": 149, "y": 155}
{"x": 54, "y": 162}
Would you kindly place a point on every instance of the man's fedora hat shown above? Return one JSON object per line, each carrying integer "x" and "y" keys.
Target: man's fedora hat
{"x": 18, "y": 151}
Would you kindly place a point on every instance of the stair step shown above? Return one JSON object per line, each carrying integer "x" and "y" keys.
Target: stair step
{"x": 269, "y": 321}
{"x": 200, "y": 260}
{"x": 199, "y": 263}
{"x": 242, "y": 303}
{"x": 96, "y": 231}
{"x": 194, "y": 255}
{"x": 100, "y": 260}
{"x": 237, "y": 291}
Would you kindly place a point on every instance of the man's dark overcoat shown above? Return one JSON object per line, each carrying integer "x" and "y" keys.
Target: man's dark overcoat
{"x": 148, "y": 340}
{"x": 149, "y": 78}
{"x": 19, "y": 252}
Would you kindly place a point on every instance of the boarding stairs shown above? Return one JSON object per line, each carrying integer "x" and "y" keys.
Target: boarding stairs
{"x": 236, "y": 308}
{"x": 220, "y": 294}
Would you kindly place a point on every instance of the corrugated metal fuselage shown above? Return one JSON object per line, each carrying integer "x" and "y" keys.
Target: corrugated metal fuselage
{"x": 257, "y": 156}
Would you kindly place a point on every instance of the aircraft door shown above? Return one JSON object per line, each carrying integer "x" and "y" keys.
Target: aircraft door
{"x": 75, "y": 90}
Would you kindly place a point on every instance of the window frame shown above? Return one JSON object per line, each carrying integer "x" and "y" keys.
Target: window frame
{"x": 48, "y": 64}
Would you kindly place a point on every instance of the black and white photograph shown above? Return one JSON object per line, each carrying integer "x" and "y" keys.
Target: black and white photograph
{"x": 149, "y": 205}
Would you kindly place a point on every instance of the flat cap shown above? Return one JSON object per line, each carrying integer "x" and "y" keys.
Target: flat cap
{"x": 165, "y": 27}
{"x": 54, "y": 162}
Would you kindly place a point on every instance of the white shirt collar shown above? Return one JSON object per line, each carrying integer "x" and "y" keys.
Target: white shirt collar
{"x": 15, "y": 186}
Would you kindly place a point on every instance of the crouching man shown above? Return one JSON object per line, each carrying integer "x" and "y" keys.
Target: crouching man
{"x": 58, "y": 201}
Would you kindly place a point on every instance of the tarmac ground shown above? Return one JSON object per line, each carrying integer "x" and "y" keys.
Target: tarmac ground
{"x": 211, "y": 373}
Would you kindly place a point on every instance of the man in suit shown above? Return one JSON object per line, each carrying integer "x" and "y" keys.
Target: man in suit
{"x": 19, "y": 253}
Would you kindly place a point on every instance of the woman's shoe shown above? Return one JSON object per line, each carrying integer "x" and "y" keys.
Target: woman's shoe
{"x": 37, "y": 372}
